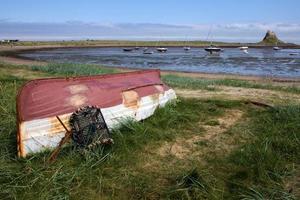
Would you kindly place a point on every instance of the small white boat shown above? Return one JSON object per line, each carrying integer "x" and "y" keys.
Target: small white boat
{"x": 276, "y": 48}
{"x": 243, "y": 48}
{"x": 187, "y": 48}
{"x": 162, "y": 49}
{"x": 136, "y": 48}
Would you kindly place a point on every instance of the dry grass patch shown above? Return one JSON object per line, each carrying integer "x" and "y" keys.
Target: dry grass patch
{"x": 237, "y": 93}
{"x": 186, "y": 147}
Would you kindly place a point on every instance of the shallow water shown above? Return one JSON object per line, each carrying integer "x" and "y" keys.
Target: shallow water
{"x": 261, "y": 62}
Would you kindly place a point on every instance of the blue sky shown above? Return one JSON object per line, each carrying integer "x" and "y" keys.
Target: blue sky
{"x": 230, "y": 20}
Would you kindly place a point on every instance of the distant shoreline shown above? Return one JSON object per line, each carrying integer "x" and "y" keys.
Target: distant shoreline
{"x": 14, "y": 51}
{"x": 129, "y": 43}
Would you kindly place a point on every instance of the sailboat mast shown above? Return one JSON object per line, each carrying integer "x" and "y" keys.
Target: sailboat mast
{"x": 208, "y": 35}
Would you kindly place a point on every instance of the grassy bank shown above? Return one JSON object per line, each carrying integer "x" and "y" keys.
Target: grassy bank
{"x": 120, "y": 43}
{"x": 191, "y": 149}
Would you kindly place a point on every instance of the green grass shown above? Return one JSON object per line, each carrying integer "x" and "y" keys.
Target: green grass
{"x": 265, "y": 154}
{"x": 72, "y": 69}
{"x": 256, "y": 170}
{"x": 58, "y": 69}
{"x": 208, "y": 84}
{"x": 271, "y": 156}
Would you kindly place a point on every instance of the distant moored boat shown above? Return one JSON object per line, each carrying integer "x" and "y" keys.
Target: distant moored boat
{"x": 213, "y": 49}
{"x": 187, "y": 48}
{"x": 162, "y": 49}
{"x": 276, "y": 48}
{"x": 243, "y": 48}
{"x": 127, "y": 49}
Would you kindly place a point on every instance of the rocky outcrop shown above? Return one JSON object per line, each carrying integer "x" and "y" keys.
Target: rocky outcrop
{"x": 271, "y": 39}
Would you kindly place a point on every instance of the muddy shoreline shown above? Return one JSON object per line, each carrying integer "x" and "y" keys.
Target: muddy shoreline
{"x": 12, "y": 55}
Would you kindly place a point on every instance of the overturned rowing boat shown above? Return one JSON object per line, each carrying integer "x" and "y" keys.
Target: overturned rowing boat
{"x": 40, "y": 103}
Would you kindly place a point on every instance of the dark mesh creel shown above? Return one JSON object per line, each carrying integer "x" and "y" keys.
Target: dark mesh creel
{"x": 89, "y": 128}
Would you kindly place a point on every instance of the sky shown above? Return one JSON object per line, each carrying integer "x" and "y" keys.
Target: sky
{"x": 223, "y": 20}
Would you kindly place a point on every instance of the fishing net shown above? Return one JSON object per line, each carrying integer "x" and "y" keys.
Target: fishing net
{"x": 89, "y": 128}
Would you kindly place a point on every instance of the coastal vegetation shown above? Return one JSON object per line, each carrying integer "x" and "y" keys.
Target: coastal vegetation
{"x": 117, "y": 43}
{"x": 200, "y": 147}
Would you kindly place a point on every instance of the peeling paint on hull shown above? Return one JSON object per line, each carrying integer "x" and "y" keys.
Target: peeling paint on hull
{"x": 134, "y": 95}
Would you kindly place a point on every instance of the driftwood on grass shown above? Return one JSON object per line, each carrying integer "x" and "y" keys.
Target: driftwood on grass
{"x": 260, "y": 104}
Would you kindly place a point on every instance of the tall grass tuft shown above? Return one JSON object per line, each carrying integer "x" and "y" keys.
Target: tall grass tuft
{"x": 192, "y": 185}
{"x": 271, "y": 155}
{"x": 68, "y": 69}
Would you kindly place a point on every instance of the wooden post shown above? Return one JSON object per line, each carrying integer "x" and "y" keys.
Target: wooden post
{"x": 64, "y": 140}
